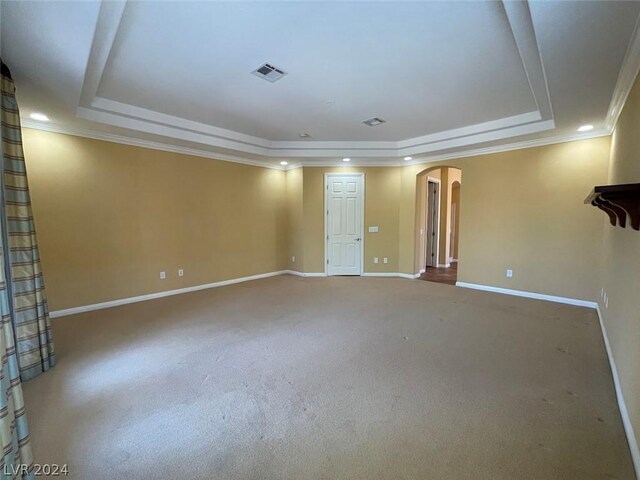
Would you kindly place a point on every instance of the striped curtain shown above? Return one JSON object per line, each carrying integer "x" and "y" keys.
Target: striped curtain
{"x": 32, "y": 326}
{"x": 17, "y": 459}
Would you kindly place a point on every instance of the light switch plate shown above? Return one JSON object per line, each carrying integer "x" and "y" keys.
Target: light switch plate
{"x": 375, "y": 259}
{"x": 385, "y": 260}
{"x": 163, "y": 275}
{"x": 373, "y": 229}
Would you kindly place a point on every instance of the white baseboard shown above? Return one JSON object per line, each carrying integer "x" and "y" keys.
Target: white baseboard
{"x": 443, "y": 265}
{"x": 152, "y": 296}
{"x": 422, "y": 270}
{"x": 305, "y": 274}
{"x": 391, "y": 274}
{"x": 294, "y": 272}
{"x": 624, "y": 413}
{"x": 521, "y": 293}
{"x": 411, "y": 276}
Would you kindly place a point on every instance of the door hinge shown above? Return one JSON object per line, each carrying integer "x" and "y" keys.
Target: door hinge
{"x": 327, "y": 261}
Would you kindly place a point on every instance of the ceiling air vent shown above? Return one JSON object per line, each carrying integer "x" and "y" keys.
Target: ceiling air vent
{"x": 269, "y": 72}
{"x": 374, "y": 122}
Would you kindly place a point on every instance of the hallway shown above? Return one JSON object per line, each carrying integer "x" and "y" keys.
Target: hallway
{"x": 441, "y": 275}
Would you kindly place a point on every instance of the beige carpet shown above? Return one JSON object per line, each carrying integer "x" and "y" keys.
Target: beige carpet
{"x": 340, "y": 378}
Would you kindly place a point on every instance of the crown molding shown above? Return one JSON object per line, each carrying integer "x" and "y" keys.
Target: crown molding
{"x": 108, "y": 137}
{"x": 136, "y": 142}
{"x": 539, "y": 142}
{"x": 464, "y": 138}
{"x": 110, "y": 112}
{"x": 626, "y": 79}
{"x": 138, "y": 119}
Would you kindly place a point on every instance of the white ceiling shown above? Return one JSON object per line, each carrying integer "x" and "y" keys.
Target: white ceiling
{"x": 450, "y": 78}
{"x": 384, "y": 60}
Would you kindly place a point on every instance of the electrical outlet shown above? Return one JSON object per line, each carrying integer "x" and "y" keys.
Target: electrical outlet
{"x": 509, "y": 273}
{"x": 385, "y": 260}
{"x": 180, "y": 272}
{"x": 293, "y": 259}
{"x": 163, "y": 275}
{"x": 375, "y": 259}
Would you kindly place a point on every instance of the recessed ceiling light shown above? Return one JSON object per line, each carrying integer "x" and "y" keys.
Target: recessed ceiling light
{"x": 346, "y": 159}
{"x": 304, "y": 135}
{"x": 284, "y": 162}
{"x": 408, "y": 158}
{"x": 41, "y": 117}
{"x": 585, "y": 128}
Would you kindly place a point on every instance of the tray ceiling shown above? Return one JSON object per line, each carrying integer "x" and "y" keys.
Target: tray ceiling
{"x": 448, "y": 77}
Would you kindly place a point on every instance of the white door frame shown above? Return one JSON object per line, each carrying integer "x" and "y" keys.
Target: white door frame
{"x": 326, "y": 217}
{"x": 434, "y": 180}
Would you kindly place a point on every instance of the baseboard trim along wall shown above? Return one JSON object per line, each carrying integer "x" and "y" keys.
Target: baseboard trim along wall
{"x": 391, "y": 274}
{"x": 168, "y": 293}
{"x": 521, "y": 293}
{"x": 195, "y": 288}
{"x": 305, "y": 274}
{"x": 624, "y": 413}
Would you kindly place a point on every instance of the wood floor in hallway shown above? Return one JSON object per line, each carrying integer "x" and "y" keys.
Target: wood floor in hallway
{"x": 331, "y": 378}
{"x": 446, "y": 275}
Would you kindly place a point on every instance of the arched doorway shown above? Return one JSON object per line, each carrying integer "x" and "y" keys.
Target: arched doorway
{"x": 438, "y": 223}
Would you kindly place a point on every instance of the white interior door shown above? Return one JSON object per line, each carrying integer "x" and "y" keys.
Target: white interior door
{"x": 344, "y": 201}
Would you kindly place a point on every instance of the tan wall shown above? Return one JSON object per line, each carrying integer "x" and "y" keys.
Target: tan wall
{"x": 449, "y": 176}
{"x": 421, "y": 222}
{"x": 382, "y": 190}
{"x": 295, "y": 219}
{"x": 523, "y": 210}
{"x": 445, "y": 202}
{"x": 454, "y": 175}
{"x": 621, "y": 267}
{"x": 110, "y": 217}
{"x": 455, "y": 203}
